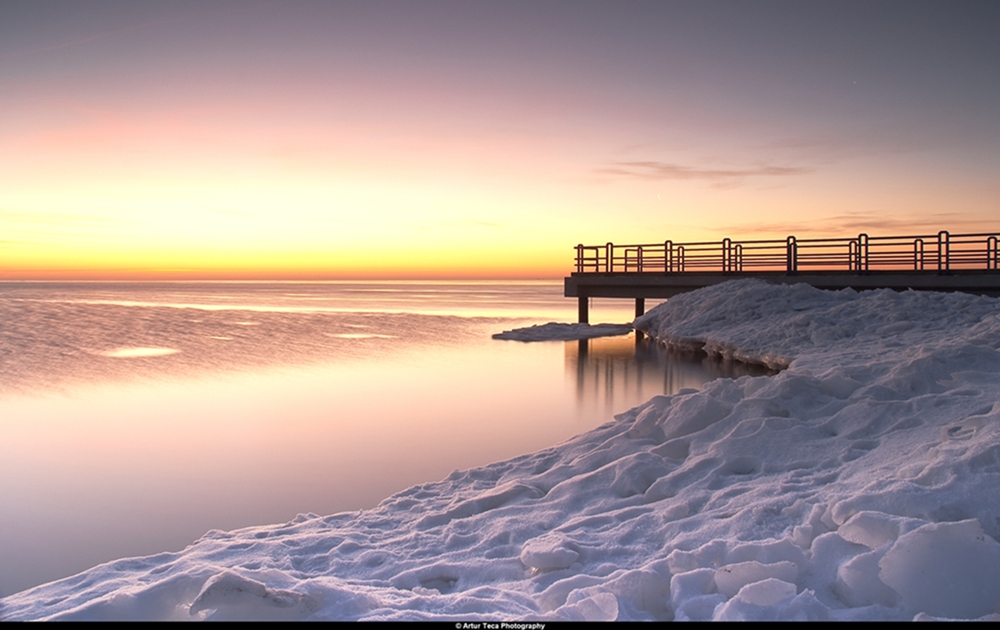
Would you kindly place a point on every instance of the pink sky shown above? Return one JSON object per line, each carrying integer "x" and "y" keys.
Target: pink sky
{"x": 437, "y": 139}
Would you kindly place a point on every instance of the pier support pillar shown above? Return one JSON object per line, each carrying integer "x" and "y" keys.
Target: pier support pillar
{"x": 583, "y": 313}
{"x": 640, "y": 306}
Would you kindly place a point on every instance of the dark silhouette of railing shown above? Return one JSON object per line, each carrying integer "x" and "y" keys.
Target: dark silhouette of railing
{"x": 938, "y": 253}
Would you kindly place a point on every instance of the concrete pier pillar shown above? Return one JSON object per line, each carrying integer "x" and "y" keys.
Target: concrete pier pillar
{"x": 583, "y": 312}
{"x": 640, "y": 306}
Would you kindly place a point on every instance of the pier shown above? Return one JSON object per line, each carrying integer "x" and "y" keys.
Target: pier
{"x": 936, "y": 262}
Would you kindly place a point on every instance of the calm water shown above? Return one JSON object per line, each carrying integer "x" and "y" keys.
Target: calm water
{"x": 135, "y": 417}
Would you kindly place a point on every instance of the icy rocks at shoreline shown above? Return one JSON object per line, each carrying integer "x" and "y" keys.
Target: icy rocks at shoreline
{"x": 554, "y": 331}
{"x": 862, "y": 482}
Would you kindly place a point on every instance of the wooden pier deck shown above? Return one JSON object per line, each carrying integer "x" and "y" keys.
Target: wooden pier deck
{"x": 939, "y": 262}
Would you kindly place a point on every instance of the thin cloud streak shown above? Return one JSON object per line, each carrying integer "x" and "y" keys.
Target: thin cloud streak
{"x": 661, "y": 171}
{"x": 852, "y": 223}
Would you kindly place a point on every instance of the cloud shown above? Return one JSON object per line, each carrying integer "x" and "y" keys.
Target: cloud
{"x": 852, "y": 223}
{"x": 719, "y": 177}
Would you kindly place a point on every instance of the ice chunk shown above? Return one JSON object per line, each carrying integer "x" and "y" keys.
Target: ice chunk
{"x": 547, "y": 552}
{"x": 772, "y": 600}
{"x": 243, "y": 598}
{"x": 732, "y": 577}
{"x": 133, "y": 352}
{"x": 766, "y": 592}
{"x": 554, "y": 331}
{"x": 768, "y": 551}
{"x": 871, "y": 529}
{"x": 858, "y": 582}
{"x": 590, "y": 607}
{"x": 945, "y": 570}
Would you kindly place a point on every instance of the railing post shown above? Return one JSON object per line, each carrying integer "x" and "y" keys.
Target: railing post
{"x": 944, "y": 251}
{"x": 862, "y": 252}
{"x": 791, "y": 255}
{"x": 890, "y": 253}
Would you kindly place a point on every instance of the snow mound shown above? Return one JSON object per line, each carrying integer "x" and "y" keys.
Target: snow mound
{"x": 554, "y": 331}
{"x": 860, "y": 483}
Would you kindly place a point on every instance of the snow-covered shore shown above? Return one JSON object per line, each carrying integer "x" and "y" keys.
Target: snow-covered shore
{"x": 862, "y": 482}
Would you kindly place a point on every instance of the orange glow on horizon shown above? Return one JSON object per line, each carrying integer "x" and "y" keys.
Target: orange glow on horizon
{"x": 305, "y": 275}
{"x": 336, "y": 142}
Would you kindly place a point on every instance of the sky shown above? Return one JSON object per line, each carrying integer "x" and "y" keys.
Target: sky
{"x": 417, "y": 139}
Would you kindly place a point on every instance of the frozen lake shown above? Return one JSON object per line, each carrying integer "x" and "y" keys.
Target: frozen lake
{"x": 136, "y": 417}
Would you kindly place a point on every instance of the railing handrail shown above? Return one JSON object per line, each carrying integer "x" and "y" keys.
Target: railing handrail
{"x": 938, "y": 253}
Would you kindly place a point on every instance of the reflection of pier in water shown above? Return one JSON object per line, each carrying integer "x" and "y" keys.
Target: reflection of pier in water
{"x": 617, "y": 373}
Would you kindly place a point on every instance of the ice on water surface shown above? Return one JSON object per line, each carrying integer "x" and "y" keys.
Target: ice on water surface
{"x": 556, "y": 331}
{"x": 861, "y": 482}
{"x": 127, "y": 353}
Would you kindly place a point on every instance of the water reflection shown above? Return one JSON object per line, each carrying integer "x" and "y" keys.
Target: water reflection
{"x": 137, "y": 417}
{"x": 612, "y": 373}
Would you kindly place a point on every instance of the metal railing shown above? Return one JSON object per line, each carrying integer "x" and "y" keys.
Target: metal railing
{"x": 939, "y": 253}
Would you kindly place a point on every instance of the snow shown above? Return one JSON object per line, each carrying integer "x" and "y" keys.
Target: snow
{"x": 564, "y": 332}
{"x": 861, "y": 482}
